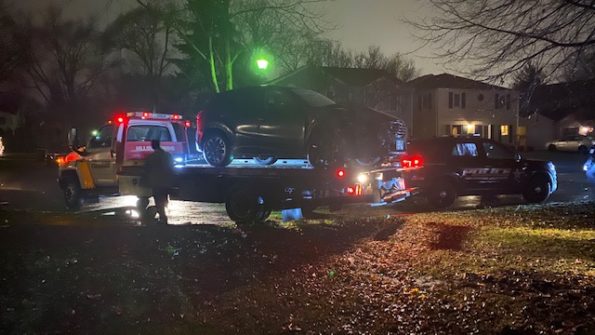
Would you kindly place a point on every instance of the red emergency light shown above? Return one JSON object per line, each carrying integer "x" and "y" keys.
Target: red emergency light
{"x": 341, "y": 172}
{"x": 414, "y": 161}
{"x": 187, "y": 124}
{"x": 119, "y": 119}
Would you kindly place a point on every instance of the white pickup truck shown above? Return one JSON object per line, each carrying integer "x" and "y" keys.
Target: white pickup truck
{"x": 125, "y": 140}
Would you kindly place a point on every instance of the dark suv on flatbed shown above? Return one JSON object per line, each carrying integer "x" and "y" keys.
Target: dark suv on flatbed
{"x": 454, "y": 166}
{"x": 270, "y": 122}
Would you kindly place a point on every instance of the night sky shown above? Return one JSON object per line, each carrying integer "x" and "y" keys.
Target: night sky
{"x": 360, "y": 23}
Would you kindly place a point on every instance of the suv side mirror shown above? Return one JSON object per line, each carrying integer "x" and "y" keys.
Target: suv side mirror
{"x": 518, "y": 157}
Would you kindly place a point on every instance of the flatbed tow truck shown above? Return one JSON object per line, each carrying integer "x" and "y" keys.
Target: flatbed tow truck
{"x": 250, "y": 192}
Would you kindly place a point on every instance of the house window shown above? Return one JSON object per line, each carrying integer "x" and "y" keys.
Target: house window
{"x": 457, "y": 100}
{"x": 463, "y": 100}
{"x": 450, "y": 99}
{"x": 504, "y": 130}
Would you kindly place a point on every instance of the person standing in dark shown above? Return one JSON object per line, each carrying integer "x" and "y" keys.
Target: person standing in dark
{"x": 159, "y": 171}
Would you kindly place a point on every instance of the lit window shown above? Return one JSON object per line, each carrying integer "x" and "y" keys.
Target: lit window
{"x": 504, "y": 130}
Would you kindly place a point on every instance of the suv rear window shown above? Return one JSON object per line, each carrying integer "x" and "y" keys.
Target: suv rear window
{"x": 147, "y": 133}
{"x": 313, "y": 99}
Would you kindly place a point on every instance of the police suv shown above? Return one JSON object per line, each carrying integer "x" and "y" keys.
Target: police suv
{"x": 455, "y": 166}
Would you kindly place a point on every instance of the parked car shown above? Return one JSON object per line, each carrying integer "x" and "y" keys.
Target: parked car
{"x": 454, "y": 166}
{"x": 270, "y": 122}
{"x": 578, "y": 143}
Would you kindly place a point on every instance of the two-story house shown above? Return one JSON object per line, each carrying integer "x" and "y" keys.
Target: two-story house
{"x": 446, "y": 104}
{"x": 372, "y": 88}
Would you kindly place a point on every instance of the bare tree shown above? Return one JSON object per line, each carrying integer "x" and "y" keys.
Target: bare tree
{"x": 13, "y": 46}
{"x": 66, "y": 62}
{"x": 335, "y": 55}
{"x": 147, "y": 37}
{"x": 496, "y": 38}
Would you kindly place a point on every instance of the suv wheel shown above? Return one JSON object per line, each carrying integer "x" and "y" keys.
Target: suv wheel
{"x": 322, "y": 150}
{"x": 217, "y": 149}
{"x": 551, "y": 147}
{"x": 442, "y": 195}
{"x": 583, "y": 149}
{"x": 537, "y": 190}
{"x": 263, "y": 160}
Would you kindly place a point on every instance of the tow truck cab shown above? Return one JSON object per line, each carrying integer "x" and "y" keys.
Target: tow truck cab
{"x": 125, "y": 140}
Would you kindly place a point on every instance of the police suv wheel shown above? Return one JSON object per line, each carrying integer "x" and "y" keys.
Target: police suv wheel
{"x": 537, "y": 190}
{"x": 442, "y": 195}
{"x": 217, "y": 149}
{"x": 551, "y": 147}
{"x": 72, "y": 194}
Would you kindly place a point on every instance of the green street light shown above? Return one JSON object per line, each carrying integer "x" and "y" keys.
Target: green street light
{"x": 262, "y": 64}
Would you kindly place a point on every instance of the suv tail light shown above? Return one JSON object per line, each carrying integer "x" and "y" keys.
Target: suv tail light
{"x": 199, "y": 127}
{"x": 413, "y": 161}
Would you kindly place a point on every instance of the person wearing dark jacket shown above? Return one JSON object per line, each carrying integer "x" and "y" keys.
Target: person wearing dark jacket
{"x": 159, "y": 172}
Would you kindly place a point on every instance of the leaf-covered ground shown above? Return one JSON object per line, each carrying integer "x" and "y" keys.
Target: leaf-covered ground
{"x": 513, "y": 270}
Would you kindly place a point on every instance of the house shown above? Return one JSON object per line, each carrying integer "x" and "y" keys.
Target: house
{"x": 571, "y": 105}
{"x": 372, "y": 88}
{"x": 446, "y": 104}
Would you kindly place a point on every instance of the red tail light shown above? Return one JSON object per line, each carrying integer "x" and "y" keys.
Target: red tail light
{"x": 413, "y": 161}
{"x": 340, "y": 173}
{"x": 187, "y": 124}
{"x": 199, "y": 127}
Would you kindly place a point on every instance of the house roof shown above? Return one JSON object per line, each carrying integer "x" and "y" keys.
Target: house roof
{"x": 559, "y": 100}
{"x": 349, "y": 76}
{"x": 446, "y": 80}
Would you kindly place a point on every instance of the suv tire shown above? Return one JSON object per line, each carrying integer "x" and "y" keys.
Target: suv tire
{"x": 442, "y": 195}
{"x": 583, "y": 149}
{"x": 263, "y": 160}
{"x": 538, "y": 189}
{"x": 217, "y": 149}
{"x": 551, "y": 147}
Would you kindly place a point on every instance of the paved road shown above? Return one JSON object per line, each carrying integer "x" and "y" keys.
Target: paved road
{"x": 30, "y": 185}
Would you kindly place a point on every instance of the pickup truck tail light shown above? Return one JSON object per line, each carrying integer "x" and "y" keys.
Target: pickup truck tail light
{"x": 412, "y": 161}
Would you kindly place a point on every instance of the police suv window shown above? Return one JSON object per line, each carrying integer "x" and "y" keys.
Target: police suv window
{"x": 465, "y": 150}
{"x": 495, "y": 151}
{"x": 103, "y": 139}
{"x": 148, "y": 133}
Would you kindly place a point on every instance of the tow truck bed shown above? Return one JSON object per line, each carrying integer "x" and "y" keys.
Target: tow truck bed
{"x": 270, "y": 187}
